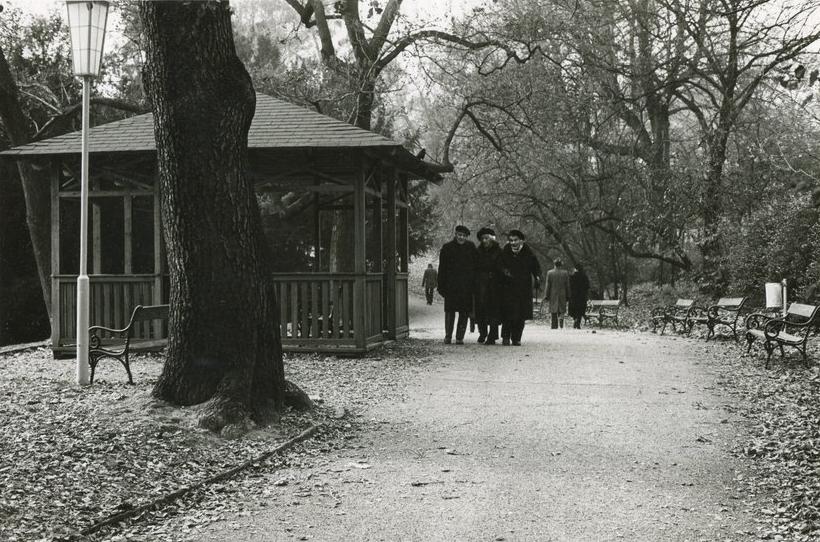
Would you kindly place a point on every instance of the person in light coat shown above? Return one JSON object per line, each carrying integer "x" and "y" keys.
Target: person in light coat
{"x": 557, "y": 293}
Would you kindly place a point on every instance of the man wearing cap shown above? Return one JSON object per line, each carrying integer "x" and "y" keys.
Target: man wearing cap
{"x": 456, "y": 278}
{"x": 519, "y": 273}
{"x": 487, "y": 309}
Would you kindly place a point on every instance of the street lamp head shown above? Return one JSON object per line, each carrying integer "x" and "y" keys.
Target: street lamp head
{"x": 86, "y": 21}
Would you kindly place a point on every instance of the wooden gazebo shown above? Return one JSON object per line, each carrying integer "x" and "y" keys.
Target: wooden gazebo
{"x": 300, "y": 161}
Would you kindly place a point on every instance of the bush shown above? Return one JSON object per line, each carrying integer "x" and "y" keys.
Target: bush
{"x": 781, "y": 240}
{"x": 646, "y": 296}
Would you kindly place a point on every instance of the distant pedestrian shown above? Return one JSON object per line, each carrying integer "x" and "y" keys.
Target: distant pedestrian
{"x": 519, "y": 273}
{"x": 557, "y": 293}
{"x": 456, "y": 279}
{"x": 578, "y": 295}
{"x": 487, "y": 302}
{"x": 430, "y": 282}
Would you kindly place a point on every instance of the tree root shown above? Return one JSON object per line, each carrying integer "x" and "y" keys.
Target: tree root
{"x": 165, "y": 499}
{"x": 295, "y": 397}
{"x": 228, "y": 417}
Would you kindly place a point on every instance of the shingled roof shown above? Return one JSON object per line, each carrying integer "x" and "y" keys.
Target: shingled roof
{"x": 276, "y": 125}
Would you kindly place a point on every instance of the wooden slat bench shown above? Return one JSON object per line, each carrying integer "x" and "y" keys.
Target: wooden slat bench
{"x": 602, "y": 310}
{"x": 793, "y": 330}
{"x": 116, "y": 343}
{"x": 672, "y": 314}
{"x": 726, "y": 312}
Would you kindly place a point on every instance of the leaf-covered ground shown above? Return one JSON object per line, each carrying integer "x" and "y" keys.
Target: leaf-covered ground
{"x": 70, "y": 457}
{"x": 782, "y": 407}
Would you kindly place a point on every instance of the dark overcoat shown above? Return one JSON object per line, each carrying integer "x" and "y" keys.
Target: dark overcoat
{"x": 430, "y": 279}
{"x": 456, "y": 275}
{"x": 578, "y": 294}
{"x": 487, "y": 294}
{"x": 518, "y": 274}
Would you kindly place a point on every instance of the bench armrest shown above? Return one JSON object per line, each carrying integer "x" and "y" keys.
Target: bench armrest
{"x": 773, "y": 327}
{"x": 776, "y": 325}
{"x": 94, "y": 329}
{"x": 697, "y": 310}
{"x": 756, "y": 320}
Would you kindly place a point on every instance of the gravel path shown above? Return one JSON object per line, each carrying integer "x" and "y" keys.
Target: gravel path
{"x": 576, "y": 435}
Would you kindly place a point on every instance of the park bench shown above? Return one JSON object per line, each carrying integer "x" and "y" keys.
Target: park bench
{"x": 672, "y": 314}
{"x": 726, "y": 312}
{"x": 116, "y": 344}
{"x": 602, "y": 310}
{"x": 792, "y": 330}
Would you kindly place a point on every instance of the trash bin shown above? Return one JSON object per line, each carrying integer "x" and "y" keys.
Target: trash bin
{"x": 774, "y": 295}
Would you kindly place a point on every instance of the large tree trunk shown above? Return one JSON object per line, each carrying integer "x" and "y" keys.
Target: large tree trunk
{"x": 712, "y": 207}
{"x": 224, "y": 345}
{"x": 34, "y": 180}
{"x": 23, "y": 316}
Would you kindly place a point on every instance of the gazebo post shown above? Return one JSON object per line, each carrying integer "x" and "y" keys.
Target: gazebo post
{"x": 390, "y": 260}
{"x": 359, "y": 255}
{"x": 56, "y": 307}
{"x": 317, "y": 235}
{"x": 158, "y": 246}
{"x": 404, "y": 249}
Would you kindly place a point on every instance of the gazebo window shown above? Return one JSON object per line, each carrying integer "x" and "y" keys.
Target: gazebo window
{"x": 120, "y": 235}
{"x": 70, "y": 236}
{"x": 142, "y": 235}
{"x": 107, "y": 233}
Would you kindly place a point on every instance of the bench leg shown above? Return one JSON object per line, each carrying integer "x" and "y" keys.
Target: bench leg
{"x": 663, "y": 328}
{"x": 124, "y": 361}
{"x": 769, "y": 350}
{"x": 92, "y": 364}
{"x": 749, "y": 340}
{"x": 803, "y": 353}
{"x": 781, "y": 350}
{"x": 711, "y": 331}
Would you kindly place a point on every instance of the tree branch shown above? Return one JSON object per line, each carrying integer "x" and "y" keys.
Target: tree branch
{"x": 71, "y": 110}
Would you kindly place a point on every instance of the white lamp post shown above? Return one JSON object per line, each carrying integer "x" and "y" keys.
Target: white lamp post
{"x": 86, "y": 21}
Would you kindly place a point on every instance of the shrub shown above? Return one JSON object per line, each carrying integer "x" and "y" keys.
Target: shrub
{"x": 780, "y": 240}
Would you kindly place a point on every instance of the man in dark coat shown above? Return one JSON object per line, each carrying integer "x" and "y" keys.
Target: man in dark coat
{"x": 487, "y": 302}
{"x": 429, "y": 282}
{"x": 456, "y": 279}
{"x": 519, "y": 273}
{"x": 578, "y": 292}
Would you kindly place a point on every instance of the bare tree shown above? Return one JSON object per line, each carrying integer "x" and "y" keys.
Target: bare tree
{"x": 733, "y": 47}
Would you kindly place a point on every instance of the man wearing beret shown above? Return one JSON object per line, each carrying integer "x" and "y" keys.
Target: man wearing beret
{"x": 519, "y": 273}
{"x": 487, "y": 302}
{"x": 456, "y": 278}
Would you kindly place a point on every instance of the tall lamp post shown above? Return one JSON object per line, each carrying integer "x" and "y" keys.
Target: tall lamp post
{"x": 86, "y": 21}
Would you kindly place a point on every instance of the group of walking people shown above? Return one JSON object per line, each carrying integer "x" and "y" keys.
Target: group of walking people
{"x": 495, "y": 286}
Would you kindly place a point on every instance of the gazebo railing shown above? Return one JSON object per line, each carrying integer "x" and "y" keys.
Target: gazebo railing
{"x": 315, "y": 309}
{"x": 324, "y": 309}
{"x": 112, "y": 300}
